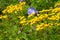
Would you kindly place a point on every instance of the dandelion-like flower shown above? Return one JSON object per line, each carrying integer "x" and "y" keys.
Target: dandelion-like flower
{"x": 32, "y": 10}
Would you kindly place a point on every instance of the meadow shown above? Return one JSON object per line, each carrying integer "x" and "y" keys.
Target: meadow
{"x": 29, "y": 20}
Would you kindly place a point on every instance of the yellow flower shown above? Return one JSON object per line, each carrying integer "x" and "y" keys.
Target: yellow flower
{"x": 15, "y": 11}
{"x": 45, "y": 15}
{"x": 31, "y": 23}
{"x": 5, "y": 16}
{"x": 20, "y": 8}
{"x": 22, "y": 22}
{"x": 58, "y": 24}
{"x": 26, "y": 24}
{"x": 19, "y": 17}
{"x": 41, "y": 17}
{"x": 4, "y": 11}
{"x": 41, "y": 24}
{"x": 45, "y": 10}
{"x": 38, "y": 14}
{"x": 22, "y": 17}
{"x": 8, "y": 11}
{"x": 30, "y": 15}
{"x": 52, "y": 18}
{"x": 22, "y": 3}
{"x": 38, "y": 28}
{"x": 46, "y": 25}
{"x": 12, "y": 8}
{"x": 52, "y": 11}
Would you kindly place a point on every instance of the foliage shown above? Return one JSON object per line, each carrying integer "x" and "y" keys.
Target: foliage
{"x": 16, "y": 24}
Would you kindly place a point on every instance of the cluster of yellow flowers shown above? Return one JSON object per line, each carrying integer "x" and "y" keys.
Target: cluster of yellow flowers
{"x": 22, "y": 20}
{"x": 44, "y": 25}
{"x": 49, "y": 14}
{"x": 48, "y": 10}
{"x": 32, "y": 19}
{"x": 14, "y": 8}
{"x": 37, "y": 19}
{"x": 56, "y": 10}
{"x": 54, "y": 17}
{"x": 5, "y": 16}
